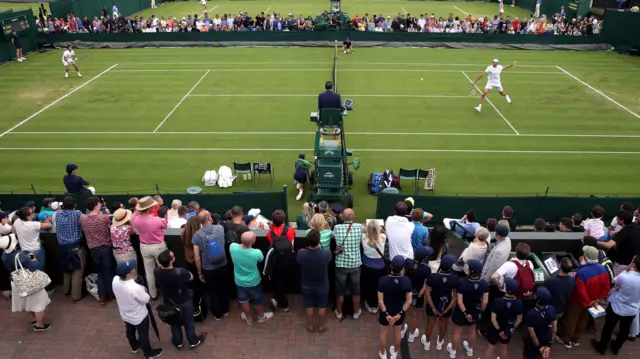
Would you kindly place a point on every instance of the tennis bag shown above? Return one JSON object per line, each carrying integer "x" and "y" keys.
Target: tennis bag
{"x": 374, "y": 184}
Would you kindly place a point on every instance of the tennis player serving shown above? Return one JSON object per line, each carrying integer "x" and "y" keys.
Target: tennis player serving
{"x": 494, "y": 70}
{"x": 69, "y": 59}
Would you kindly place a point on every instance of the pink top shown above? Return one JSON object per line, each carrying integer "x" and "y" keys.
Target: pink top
{"x": 595, "y": 227}
{"x": 149, "y": 228}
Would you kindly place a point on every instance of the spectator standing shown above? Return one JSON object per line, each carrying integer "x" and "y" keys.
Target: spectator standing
{"x": 477, "y": 250}
{"x": 625, "y": 206}
{"x": 348, "y": 261}
{"x": 394, "y": 299}
{"x": 561, "y": 285}
{"x": 314, "y": 280}
{"x": 132, "y": 299}
{"x": 438, "y": 242}
{"x": 417, "y": 270}
{"x": 399, "y": 231}
{"x": 247, "y": 277}
{"x": 151, "y": 232}
{"x": 179, "y": 220}
{"x": 323, "y": 209}
{"x": 96, "y": 228}
{"x": 176, "y": 204}
{"x": 192, "y": 209}
{"x": 304, "y": 217}
{"x": 72, "y": 256}
{"x": 439, "y": 291}
{"x": 541, "y": 327}
{"x": 336, "y": 212}
{"x": 624, "y": 305}
{"x": 319, "y": 224}
{"x": 237, "y": 224}
{"x": 373, "y": 264}
{"x": 5, "y": 227}
{"x": 625, "y": 243}
{"x": 133, "y": 203}
{"x": 472, "y": 299}
{"x": 174, "y": 286}
{"x": 420, "y": 232}
{"x": 121, "y": 231}
{"x": 506, "y": 315}
{"x": 210, "y": 257}
{"x": 576, "y": 221}
{"x": 498, "y": 255}
{"x": 74, "y": 183}
{"x": 28, "y": 232}
{"x": 507, "y": 214}
{"x": 520, "y": 269}
{"x": 592, "y": 286}
{"x": 281, "y": 238}
{"x": 35, "y": 303}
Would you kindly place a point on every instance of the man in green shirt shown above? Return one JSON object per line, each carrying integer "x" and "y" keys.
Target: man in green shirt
{"x": 247, "y": 277}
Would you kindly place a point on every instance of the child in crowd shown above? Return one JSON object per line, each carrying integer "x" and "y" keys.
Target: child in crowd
{"x": 506, "y": 315}
{"x": 594, "y": 226}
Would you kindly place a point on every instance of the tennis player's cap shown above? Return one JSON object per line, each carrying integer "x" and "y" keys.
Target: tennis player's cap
{"x": 495, "y": 60}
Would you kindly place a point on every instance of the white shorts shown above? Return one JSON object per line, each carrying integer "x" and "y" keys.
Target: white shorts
{"x": 491, "y": 85}
{"x": 67, "y": 63}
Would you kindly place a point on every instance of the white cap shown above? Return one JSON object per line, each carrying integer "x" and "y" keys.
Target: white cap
{"x": 495, "y": 60}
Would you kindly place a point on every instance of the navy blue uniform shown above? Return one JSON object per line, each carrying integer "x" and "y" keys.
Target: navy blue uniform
{"x": 329, "y": 99}
{"x": 417, "y": 273}
{"x": 472, "y": 291}
{"x": 75, "y": 184}
{"x": 395, "y": 289}
{"x": 541, "y": 320}
{"x": 507, "y": 311}
{"x": 442, "y": 286}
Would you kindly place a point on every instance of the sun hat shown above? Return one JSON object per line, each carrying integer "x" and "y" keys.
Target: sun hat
{"x": 8, "y": 243}
{"x": 145, "y": 203}
{"x": 121, "y": 216}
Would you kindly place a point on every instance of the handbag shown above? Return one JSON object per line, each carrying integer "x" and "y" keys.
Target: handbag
{"x": 27, "y": 282}
{"x": 387, "y": 265}
{"x": 169, "y": 312}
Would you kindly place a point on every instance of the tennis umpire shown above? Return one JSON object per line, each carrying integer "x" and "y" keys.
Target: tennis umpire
{"x": 328, "y": 98}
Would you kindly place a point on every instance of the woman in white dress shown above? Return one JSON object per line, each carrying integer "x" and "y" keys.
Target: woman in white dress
{"x": 28, "y": 233}
{"x": 35, "y": 303}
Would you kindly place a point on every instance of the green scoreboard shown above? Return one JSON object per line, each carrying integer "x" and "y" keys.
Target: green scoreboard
{"x": 18, "y": 23}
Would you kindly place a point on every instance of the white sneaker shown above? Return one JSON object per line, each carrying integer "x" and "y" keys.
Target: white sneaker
{"x": 508, "y": 98}
{"x": 24, "y": 58}
{"x": 299, "y": 196}
{"x": 425, "y": 344}
{"x": 367, "y": 307}
{"x": 19, "y": 59}
{"x": 467, "y": 348}
{"x": 404, "y": 330}
{"x": 274, "y": 303}
{"x": 439, "y": 343}
{"x": 357, "y": 314}
{"x": 265, "y": 317}
{"x": 382, "y": 355}
{"x": 392, "y": 353}
{"x": 66, "y": 75}
{"x": 79, "y": 75}
{"x": 478, "y": 108}
{"x": 339, "y": 315}
{"x": 452, "y": 353}
{"x": 246, "y": 319}
{"x": 414, "y": 335}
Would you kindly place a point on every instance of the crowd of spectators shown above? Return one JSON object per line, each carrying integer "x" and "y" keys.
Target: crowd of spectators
{"x": 395, "y": 270}
{"x": 113, "y": 22}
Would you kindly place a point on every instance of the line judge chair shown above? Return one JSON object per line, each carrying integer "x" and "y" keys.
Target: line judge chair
{"x": 242, "y": 168}
{"x": 411, "y": 175}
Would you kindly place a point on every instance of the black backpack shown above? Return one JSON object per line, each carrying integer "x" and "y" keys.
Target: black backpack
{"x": 280, "y": 252}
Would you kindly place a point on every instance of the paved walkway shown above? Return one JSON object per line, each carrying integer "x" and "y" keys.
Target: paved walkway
{"x": 89, "y": 330}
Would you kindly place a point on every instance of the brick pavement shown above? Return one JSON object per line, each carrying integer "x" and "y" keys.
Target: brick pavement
{"x": 89, "y": 330}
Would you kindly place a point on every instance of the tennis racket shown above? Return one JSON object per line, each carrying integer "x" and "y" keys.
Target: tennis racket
{"x": 79, "y": 58}
{"x": 473, "y": 91}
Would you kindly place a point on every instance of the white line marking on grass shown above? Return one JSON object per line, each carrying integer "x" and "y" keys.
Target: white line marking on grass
{"x": 324, "y": 70}
{"x": 181, "y": 101}
{"x": 56, "y": 101}
{"x": 207, "y": 10}
{"x": 598, "y": 92}
{"x": 267, "y": 11}
{"x": 492, "y": 105}
{"x": 459, "y": 9}
{"x": 318, "y": 63}
{"x": 403, "y": 9}
{"x": 164, "y": 149}
{"x": 312, "y": 133}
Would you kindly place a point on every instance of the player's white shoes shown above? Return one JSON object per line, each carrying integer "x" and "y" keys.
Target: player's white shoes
{"x": 478, "y": 108}
{"x": 66, "y": 75}
{"x": 19, "y": 59}
{"x": 79, "y": 75}
{"x": 508, "y": 98}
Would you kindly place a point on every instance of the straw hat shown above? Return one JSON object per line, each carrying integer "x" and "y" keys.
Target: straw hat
{"x": 8, "y": 243}
{"x": 121, "y": 216}
{"x": 145, "y": 203}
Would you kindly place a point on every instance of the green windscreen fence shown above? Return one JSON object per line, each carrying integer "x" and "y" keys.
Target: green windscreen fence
{"x": 25, "y": 26}
{"x": 91, "y": 8}
{"x": 621, "y": 29}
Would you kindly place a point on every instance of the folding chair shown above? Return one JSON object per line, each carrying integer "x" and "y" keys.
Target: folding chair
{"x": 409, "y": 175}
{"x": 243, "y": 168}
{"x": 422, "y": 175}
{"x": 263, "y": 168}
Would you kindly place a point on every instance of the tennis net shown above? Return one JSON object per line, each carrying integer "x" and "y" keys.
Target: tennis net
{"x": 334, "y": 78}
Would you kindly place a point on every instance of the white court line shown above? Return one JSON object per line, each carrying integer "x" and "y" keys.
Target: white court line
{"x": 317, "y": 63}
{"x": 492, "y": 105}
{"x": 56, "y": 101}
{"x": 541, "y": 135}
{"x": 164, "y": 149}
{"x": 459, "y": 9}
{"x": 324, "y": 70}
{"x": 207, "y": 10}
{"x": 181, "y": 101}
{"x": 598, "y": 92}
{"x": 405, "y": 10}
{"x": 269, "y": 8}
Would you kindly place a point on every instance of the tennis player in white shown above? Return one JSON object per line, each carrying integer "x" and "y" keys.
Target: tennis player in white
{"x": 494, "y": 70}
{"x": 69, "y": 59}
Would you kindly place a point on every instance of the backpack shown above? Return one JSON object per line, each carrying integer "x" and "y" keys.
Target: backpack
{"x": 526, "y": 280}
{"x": 375, "y": 179}
{"x": 608, "y": 265}
{"x": 280, "y": 252}
{"x": 214, "y": 250}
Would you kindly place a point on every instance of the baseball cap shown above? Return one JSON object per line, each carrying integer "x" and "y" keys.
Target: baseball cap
{"x": 590, "y": 253}
{"x": 248, "y": 218}
{"x": 30, "y": 204}
{"x": 71, "y": 167}
{"x": 125, "y": 268}
{"x": 397, "y": 263}
{"x": 544, "y": 296}
{"x": 422, "y": 253}
{"x": 502, "y": 230}
{"x": 302, "y": 156}
{"x": 475, "y": 266}
{"x": 337, "y": 208}
{"x": 495, "y": 60}
{"x": 3, "y": 215}
{"x": 511, "y": 285}
{"x": 47, "y": 201}
{"x": 448, "y": 261}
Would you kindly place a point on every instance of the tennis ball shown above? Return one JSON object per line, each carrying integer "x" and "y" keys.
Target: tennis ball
{"x": 421, "y": 79}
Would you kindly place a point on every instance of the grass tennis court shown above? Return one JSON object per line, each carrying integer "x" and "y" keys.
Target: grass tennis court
{"x": 163, "y": 116}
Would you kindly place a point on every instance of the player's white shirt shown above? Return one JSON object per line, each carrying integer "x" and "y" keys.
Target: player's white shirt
{"x": 203, "y": 2}
{"x": 493, "y": 73}
{"x": 67, "y": 57}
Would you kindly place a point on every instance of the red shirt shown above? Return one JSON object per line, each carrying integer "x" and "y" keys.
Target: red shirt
{"x": 291, "y": 233}
{"x": 154, "y": 211}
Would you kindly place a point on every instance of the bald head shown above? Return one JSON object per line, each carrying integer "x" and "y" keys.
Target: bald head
{"x": 248, "y": 238}
{"x": 349, "y": 215}
{"x": 204, "y": 217}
